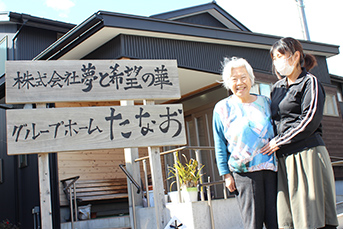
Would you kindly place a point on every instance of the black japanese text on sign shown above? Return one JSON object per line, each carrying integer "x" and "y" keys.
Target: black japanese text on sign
{"x": 90, "y": 80}
{"x": 69, "y": 129}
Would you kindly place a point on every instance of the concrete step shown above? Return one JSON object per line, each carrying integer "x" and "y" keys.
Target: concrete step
{"x": 339, "y": 204}
{"x": 118, "y": 222}
{"x": 118, "y": 228}
{"x": 339, "y": 208}
{"x": 340, "y": 221}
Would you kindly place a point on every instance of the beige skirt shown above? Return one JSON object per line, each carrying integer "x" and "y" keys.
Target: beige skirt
{"x": 306, "y": 190}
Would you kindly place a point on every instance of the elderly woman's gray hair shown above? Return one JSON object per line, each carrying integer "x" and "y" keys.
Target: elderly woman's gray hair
{"x": 229, "y": 63}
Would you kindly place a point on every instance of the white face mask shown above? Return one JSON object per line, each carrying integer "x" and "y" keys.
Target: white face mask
{"x": 283, "y": 67}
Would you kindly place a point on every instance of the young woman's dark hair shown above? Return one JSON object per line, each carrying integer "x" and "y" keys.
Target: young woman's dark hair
{"x": 291, "y": 45}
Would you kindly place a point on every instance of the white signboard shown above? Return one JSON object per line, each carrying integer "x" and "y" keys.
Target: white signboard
{"x": 90, "y": 80}
{"x": 88, "y": 128}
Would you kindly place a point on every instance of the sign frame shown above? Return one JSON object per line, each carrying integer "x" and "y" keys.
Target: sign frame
{"x": 92, "y": 128}
{"x": 90, "y": 80}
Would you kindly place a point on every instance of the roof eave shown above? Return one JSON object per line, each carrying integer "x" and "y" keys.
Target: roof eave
{"x": 72, "y": 38}
{"x": 38, "y": 22}
{"x": 173, "y": 27}
{"x": 336, "y": 78}
{"x": 139, "y": 23}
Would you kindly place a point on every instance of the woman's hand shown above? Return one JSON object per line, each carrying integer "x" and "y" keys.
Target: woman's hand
{"x": 230, "y": 182}
{"x": 269, "y": 148}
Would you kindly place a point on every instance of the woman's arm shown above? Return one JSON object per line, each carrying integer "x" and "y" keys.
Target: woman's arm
{"x": 312, "y": 106}
{"x": 309, "y": 120}
{"x": 220, "y": 145}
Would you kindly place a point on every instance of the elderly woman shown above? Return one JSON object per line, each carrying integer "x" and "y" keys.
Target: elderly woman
{"x": 241, "y": 127}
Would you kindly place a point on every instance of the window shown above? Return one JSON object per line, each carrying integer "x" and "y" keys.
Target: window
{"x": 255, "y": 89}
{"x": 265, "y": 89}
{"x": 330, "y": 106}
{"x": 261, "y": 89}
{"x": 339, "y": 96}
{"x": 3, "y": 55}
{"x": 22, "y": 160}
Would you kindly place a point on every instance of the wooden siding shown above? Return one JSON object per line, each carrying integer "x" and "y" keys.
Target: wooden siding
{"x": 89, "y": 165}
{"x": 97, "y": 165}
{"x": 333, "y": 134}
{"x": 333, "y": 138}
{"x": 94, "y": 164}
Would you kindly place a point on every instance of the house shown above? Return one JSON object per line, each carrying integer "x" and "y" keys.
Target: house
{"x": 22, "y": 37}
{"x": 198, "y": 38}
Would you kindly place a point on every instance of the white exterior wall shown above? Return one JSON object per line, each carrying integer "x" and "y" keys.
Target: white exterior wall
{"x": 196, "y": 215}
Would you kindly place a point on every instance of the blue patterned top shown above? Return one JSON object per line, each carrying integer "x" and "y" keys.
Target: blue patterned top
{"x": 240, "y": 130}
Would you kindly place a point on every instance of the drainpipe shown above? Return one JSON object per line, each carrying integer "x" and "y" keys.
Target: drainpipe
{"x": 15, "y": 164}
{"x": 15, "y": 37}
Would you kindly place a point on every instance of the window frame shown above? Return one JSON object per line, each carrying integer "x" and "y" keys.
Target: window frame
{"x": 3, "y": 41}
{"x": 256, "y": 88}
{"x": 335, "y": 112}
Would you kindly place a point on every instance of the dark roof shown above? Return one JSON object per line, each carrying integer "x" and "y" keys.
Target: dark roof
{"x": 73, "y": 37}
{"x": 153, "y": 26}
{"x": 38, "y": 22}
{"x": 32, "y": 21}
{"x": 215, "y": 10}
{"x": 336, "y": 78}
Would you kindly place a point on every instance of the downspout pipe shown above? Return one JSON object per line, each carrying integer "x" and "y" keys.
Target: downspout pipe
{"x": 15, "y": 37}
{"x": 16, "y": 173}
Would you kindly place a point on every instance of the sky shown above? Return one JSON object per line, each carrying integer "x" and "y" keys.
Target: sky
{"x": 274, "y": 17}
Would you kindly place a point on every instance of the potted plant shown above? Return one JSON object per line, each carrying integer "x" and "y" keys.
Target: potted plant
{"x": 189, "y": 177}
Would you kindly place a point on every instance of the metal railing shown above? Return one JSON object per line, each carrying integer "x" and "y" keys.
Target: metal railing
{"x": 174, "y": 151}
{"x": 130, "y": 178}
{"x": 337, "y": 163}
{"x": 132, "y": 181}
{"x": 209, "y": 198}
{"x": 70, "y": 188}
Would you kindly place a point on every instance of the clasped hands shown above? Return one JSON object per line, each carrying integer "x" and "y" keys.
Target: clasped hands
{"x": 268, "y": 149}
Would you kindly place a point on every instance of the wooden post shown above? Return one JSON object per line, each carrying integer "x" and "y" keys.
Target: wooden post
{"x": 198, "y": 158}
{"x": 157, "y": 182}
{"x": 44, "y": 187}
{"x": 131, "y": 154}
{"x": 177, "y": 178}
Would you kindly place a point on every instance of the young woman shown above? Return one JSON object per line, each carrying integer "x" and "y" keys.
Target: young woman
{"x": 306, "y": 186}
{"x": 242, "y": 125}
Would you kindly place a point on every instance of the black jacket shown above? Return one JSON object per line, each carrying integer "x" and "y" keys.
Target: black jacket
{"x": 297, "y": 112}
